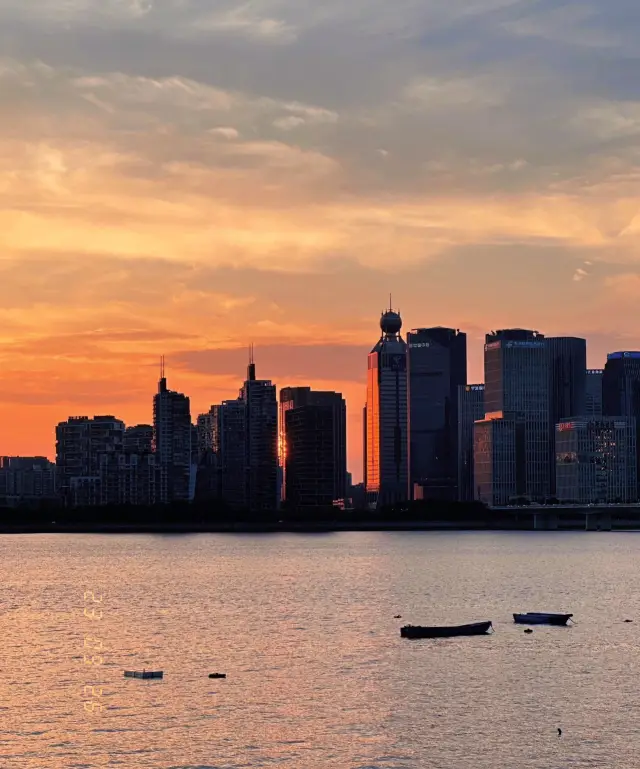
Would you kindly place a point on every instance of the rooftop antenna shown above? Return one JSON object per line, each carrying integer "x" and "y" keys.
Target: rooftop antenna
{"x": 251, "y": 368}
{"x": 162, "y": 384}
{"x": 390, "y": 304}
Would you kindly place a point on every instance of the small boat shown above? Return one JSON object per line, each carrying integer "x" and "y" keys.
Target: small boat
{"x": 542, "y": 618}
{"x": 417, "y": 631}
{"x": 217, "y": 675}
{"x": 143, "y": 673}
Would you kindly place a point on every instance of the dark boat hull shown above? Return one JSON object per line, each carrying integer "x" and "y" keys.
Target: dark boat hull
{"x": 542, "y": 619}
{"x": 417, "y": 631}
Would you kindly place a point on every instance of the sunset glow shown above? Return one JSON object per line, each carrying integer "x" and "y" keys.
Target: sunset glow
{"x": 181, "y": 178}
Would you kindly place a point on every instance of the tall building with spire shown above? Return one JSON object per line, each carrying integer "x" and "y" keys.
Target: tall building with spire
{"x": 172, "y": 442}
{"x": 261, "y": 436}
{"x": 386, "y": 445}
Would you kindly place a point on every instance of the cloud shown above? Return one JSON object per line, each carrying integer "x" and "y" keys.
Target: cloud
{"x": 579, "y": 274}
{"x": 182, "y": 177}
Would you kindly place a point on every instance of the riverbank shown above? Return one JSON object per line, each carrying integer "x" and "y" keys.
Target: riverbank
{"x": 245, "y": 528}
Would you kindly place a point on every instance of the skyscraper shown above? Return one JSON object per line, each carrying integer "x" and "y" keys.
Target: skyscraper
{"x": 232, "y": 453}
{"x": 621, "y": 385}
{"x": 316, "y": 436}
{"x": 594, "y": 392}
{"x": 387, "y": 418}
{"x": 621, "y": 391}
{"x": 511, "y": 459}
{"x": 470, "y": 410}
{"x": 436, "y": 368}
{"x": 567, "y": 377}
{"x": 172, "y": 443}
{"x": 567, "y": 361}
{"x": 261, "y": 409}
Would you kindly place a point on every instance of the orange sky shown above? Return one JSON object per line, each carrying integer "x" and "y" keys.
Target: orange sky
{"x": 179, "y": 180}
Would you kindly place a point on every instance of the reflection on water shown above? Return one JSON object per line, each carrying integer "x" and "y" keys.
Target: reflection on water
{"x": 317, "y": 675}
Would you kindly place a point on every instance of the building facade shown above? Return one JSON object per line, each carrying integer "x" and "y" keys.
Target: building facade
{"x": 498, "y": 460}
{"x": 172, "y": 443}
{"x": 138, "y": 439}
{"x": 81, "y": 445}
{"x": 27, "y": 480}
{"x": 261, "y": 432}
{"x": 387, "y": 416}
{"x": 596, "y": 460}
{"x": 621, "y": 391}
{"x": 567, "y": 386}
{"x": 292, "y": 398}
{"x": 232, "y": 453}
{"x": 310, "y": 466}
{"x": 470, "y": 410}
{"x": 436, "y": 368}
{"x": 516, "y": 390}
{"x": 593, "y": 401}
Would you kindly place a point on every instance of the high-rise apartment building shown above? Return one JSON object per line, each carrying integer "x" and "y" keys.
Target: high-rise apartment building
{"x": 83, "y": 446}
{"x": 436, "y": 368}
{"x": 517, "y": 393}
{"x": 313, "y": 446}
{"x": 593, "y": 407}
{"x": 387, "y": 417}
{"x": 232, "y": 453}
{"x": 27, "y": 480}
{"x": 470, "y": 410}
{"x": 261, "y": 405}
{"x": 172, "y": 443}
{"x": 138, "y": 439}
{"x": 596, "y": 460}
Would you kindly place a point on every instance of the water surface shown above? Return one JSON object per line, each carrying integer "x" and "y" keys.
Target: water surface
{"x": 318, "y": 676}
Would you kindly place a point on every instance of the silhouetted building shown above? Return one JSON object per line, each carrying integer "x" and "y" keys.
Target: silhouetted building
{"x": 516, "y": 427}
{"x": 567, "y": 386}
{"x": 232, "y": 453}
{"x": 387, "y": 417}
{"x": 621, "y": 391}
{"x": 138, "y": 439}
{"x": 27, "y": 480}
{"x": 436, "y": 368}
{"x": 207, "y": 428}
{"x": 593, "y": 407}
{"x": 310, "y": 468}
{"x": 172, "y": 442}
{"x": 470, "y": 409}
{"x": 596, "y": 460}
{"x": 82, "y": 444}
{"x": 291, "y": 399}
{"x": 621, "y": 385}
{"x": 259, "y": 396}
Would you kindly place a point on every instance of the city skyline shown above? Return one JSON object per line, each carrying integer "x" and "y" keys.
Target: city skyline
{"x": 354, "y": 394}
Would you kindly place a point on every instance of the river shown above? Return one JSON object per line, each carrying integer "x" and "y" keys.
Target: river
{"x": 317, "y": 674}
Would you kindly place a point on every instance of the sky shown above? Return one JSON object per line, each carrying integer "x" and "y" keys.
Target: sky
{"x": 184, "y": 177}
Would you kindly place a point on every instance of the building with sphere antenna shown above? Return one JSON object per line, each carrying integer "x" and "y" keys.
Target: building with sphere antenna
{"x": 386, "y": 428}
